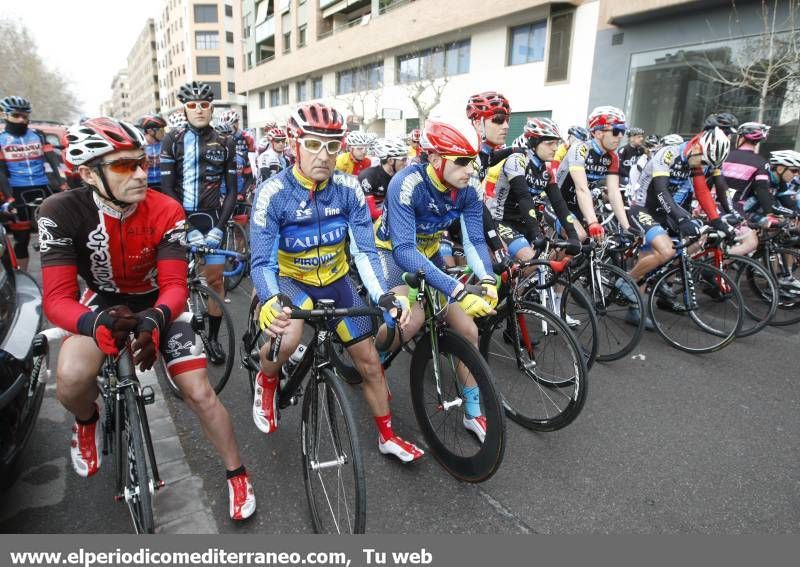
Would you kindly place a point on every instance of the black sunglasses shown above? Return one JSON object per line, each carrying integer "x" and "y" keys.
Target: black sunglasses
{"x": 499, "y": 119}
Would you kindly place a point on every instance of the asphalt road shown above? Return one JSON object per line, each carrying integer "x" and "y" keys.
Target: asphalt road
{"x": 667, "y": 443}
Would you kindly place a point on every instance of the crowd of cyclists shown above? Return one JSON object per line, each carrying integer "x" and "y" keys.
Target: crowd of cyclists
{"x": 326, "y": 201}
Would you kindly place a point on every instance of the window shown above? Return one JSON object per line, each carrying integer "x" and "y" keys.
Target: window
{"x": 360, "y": 79}
{"x": 229, "y": 11}
{"x": 560, "y": 39}
{"x": 527, "y": 43}
{"x": 301, "y": 35}
{"x": 229, "y": 36}
{"x": 287, "y": 42}
{"x": 317, "y": 87}
{"x": 440, "y": 61}
{"x": 285, "y": 94}
{"x": 208, "y": 65}
{"x": 301, "y": 91}
{"x": 205, "y": 13}
{"x": 231, "y": 87}
{"x": 216, "y": 87}
{"x": 262, "y": 99}
{"x": 274, "y": 97}
{"x": 230, "y": 62}
{"x": 206, "y": 40}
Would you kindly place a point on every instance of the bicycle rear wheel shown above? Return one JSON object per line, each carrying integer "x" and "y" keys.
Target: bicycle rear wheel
{"x": 200, "y": 296}
{"x": 333, "y": 469}
{"x": 542, "y": 385}
{"x": 442, "y": 425}
{"x": 138, "y": 484}
{"x": 759, "y": 292}
{"x": 236, "y": 241}
{"x": 784, "y": 262}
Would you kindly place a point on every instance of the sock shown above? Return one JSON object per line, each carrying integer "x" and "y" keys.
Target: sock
{"x": 235, "y": 472}
{"x": 214, "y": 323}
{"x": 384, "y": 423}
{"x": 472, "y": 397}
{"x": 91, "y": 420}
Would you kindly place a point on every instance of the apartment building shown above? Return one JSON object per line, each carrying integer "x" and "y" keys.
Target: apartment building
{"x": 368, "y": 57}
{"x": 196, "y": 40}
{"x": 120, "y": 96}
{"x": 143, "y": 74}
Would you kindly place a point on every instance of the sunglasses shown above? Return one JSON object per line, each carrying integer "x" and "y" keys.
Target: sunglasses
{"x": 126, "y": 165}
{"x": 315, "y": 146}
{"x": 18, "y": 115}
{"x": 205, "y": 105}
{"x": 462, "y": 161}
{"x": 499, "y": 119}
{"x": 617, "y": 130}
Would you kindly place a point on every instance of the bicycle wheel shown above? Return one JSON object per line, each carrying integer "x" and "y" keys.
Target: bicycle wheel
{"x": 542, "y": 387}
{"x": 236, "y": 241}
{"x": 707, "y": 314}
{"x": 442, "y": 424}
{"x": 620, "y": 316}
{"x": 199, "y": 297}
{"x": 138, "y": 485}
{"x": 343, "y": 363}
{"x": 249, "y": 355}
{"x": 759, "y": 292}
{"x": 333, "y": 469}
{"x": 784, "y": 262}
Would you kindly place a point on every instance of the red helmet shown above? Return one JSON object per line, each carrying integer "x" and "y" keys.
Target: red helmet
{"x": 100, "y": 136}
{"x": 449, "y": 139}
{"x": 316, "y": 118}
{"x": 276, "y": 134}
{"x": 415, "y": 135}
{"x": 603, "y": 116}
{"x": 270, "y": 125}
{"x": 486, "y": 105}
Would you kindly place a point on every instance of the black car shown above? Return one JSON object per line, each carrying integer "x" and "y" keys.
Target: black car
{"x": 20, "y": 344}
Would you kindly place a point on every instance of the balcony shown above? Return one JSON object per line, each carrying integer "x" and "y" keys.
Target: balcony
{"x": 265, "y": 29}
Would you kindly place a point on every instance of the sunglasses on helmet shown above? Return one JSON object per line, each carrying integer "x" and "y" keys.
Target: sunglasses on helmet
{"x": 315, "y": 146}
{"x": 124, "y": 166}
{"x": 462, "y": 161}
{"x": 192, "y": 104}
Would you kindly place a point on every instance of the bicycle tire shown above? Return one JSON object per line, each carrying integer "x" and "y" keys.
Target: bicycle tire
{"x": 616, "y": 335}
{"x": 665, "y": 320}
{"x": 550, "y": 405}
{"x": 199, "y": 295}
{"x": 138, "y": 484}
{"x": 788, "y": 312}
{"x": 479, "y": 465}
{"x": 243, "y": 247}
{"x": 323, "y": 400}
{"x": 759, "y": 293}
{"x": 250, "y": 358}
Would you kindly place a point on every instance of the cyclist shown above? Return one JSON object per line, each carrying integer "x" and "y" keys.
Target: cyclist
{"x": 176, "y": 121}
{"x": 785, "y": 177}
{"x": 423, "y": 200}
{"x": 136, "y": 279}
{"x": 227, "y": 130}
{"x": 152, "y": 125}
{"x": 629, "y": 153}
{"x": 651, "y": 145}
{"x": 726, "y": 121}
{"x": 196, "y": 161}
{"x": 300, "y": 223}
{"x": 393, "y": 156}
{"x": 245, "y": 144}
{"x": 575, "y": 134}
{"x": 355, "y": 159}
{"x": 413, "y": 143}
{"x": 591, "y": 162}
{"x": 273, "y": 159}
{"x": 23, "y": 153}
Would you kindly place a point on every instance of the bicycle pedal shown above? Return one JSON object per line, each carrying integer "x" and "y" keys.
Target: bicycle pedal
{"x": 148, "y": 395}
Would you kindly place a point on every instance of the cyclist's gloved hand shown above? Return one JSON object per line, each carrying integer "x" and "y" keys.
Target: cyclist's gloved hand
{"x": 195, "y": 238}
{"x": 273, "y": 309}
{"x": 473, "y": 304}
{"x": 111, "y": 328}
{"x": 393, "y": 307}
{"x": 489, "y": 285}
{"x": 151, "y": 323}
{"x": 721, "y": 226}
{"x": 688, "y": 228}
{"x": 596, "y": 230}
{"x": 573, "y": 247}
{"x": 214, "y": 237}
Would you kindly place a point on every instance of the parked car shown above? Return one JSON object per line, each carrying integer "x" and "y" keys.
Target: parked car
{"x": 20, "y": 344}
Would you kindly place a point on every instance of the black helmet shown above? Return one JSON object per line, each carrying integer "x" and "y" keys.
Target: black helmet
{"x": 726, "y": 121}
{"x": 15, "y": 104}
{"x": 651, "y": 141}
{"x": 195, "y": 91}
{"x": 635, "y": 132}
{"x": 151, "y": 121}
{"x": 579, "y": 132}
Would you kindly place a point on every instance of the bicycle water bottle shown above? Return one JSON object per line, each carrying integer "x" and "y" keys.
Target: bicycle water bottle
{"x": 293, "y": 361}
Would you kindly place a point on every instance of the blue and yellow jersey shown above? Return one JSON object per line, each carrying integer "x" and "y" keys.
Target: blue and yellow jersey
{"x": 299, "y": 230}
{"x": 418, "y": 208}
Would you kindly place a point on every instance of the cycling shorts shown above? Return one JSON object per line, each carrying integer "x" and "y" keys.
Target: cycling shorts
{"x": 651, "y": 225}
{"x": 350, "y": 330}
{"x": 394, "y": 273}
{"x": 513, "y": 235}
{"x": 204, "y": 221}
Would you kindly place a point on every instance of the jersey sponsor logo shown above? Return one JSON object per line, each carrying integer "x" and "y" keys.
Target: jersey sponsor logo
{"x": 314, "y": 260}
{"x": 19, "y": 152}
{"x": 407, "y": 188}
{"x": 332, "y": 211}
{"x": 46, "y": 239}
{"x": 365, "y": 184}
{"x": 583, "y": 151}
{"x": 668, "y": 157}
{"x": 175, "y": 348}
{"x": 303, "y": 211}
{"x": 215, "y": 155}
{"x": 100, "y": 258}
{"x": 295, "y": 243}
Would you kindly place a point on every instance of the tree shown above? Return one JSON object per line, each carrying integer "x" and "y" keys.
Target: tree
{"x": 426, "y": 94}
{"x": 364, "y": 106}
{"x": 767, "y": 66}
{"x": 23, "y": 73}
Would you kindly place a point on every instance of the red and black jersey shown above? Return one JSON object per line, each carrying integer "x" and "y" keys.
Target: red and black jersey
{"x": 134, "y": 257}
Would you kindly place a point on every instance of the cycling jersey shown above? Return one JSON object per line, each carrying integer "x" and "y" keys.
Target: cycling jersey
{"x": 133, "y": 257}
{"x": 269, "y": 163}
{"x": 194, "y": 165}
{"x": 786, "y": 193}
{"x": 346, "y": 164}
{"x": 628, "y": 155}
{"x": 245, "y": 145}
{"x": 299, "y": 230}
{"x": 418, "y": 208}
{"x": 589, "y": 157}
{"x": 635, "y": 172}
{"x": 374, "y": 181}
{"x": 153, "y": 152}
{"x": 24, "y": 157}
{"x": 747, "y": 174}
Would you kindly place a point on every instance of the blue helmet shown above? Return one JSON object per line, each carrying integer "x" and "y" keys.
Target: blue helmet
{"x": 15, "y": 104}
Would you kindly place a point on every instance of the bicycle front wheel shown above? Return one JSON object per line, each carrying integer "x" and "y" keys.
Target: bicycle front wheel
{"x": 332, "y": 465}
{"x": 440, "y": 406}
{"x": 759, "y": 292}
{"x": 542, "y": 381}
{"x": 138, "y": 484}
{"x": 200, "y": 296}
{"x": 784, "y": 263}
{"x": 236, "y": 241}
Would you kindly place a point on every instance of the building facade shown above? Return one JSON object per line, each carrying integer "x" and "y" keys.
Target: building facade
{"x": 196, "y": 40}
{"x": 143, "y": 74}
{"x": 120, "y": 96}
{"x": 371, "y": 58}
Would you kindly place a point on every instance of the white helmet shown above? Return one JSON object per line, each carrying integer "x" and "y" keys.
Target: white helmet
{"x": 387, "y": 148}
{"x": 715, "y": 145}
{"x": 672, "y": 140}
{"x": 519, "y": 142}
{"x": 541, "y": 128}
{"x": 789, "y": 158}
{"x": 358, "y": 138}
{"x": 262, "y": 144}
{"x": 177, "y": 120}
{"x": 100, "y": 136}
